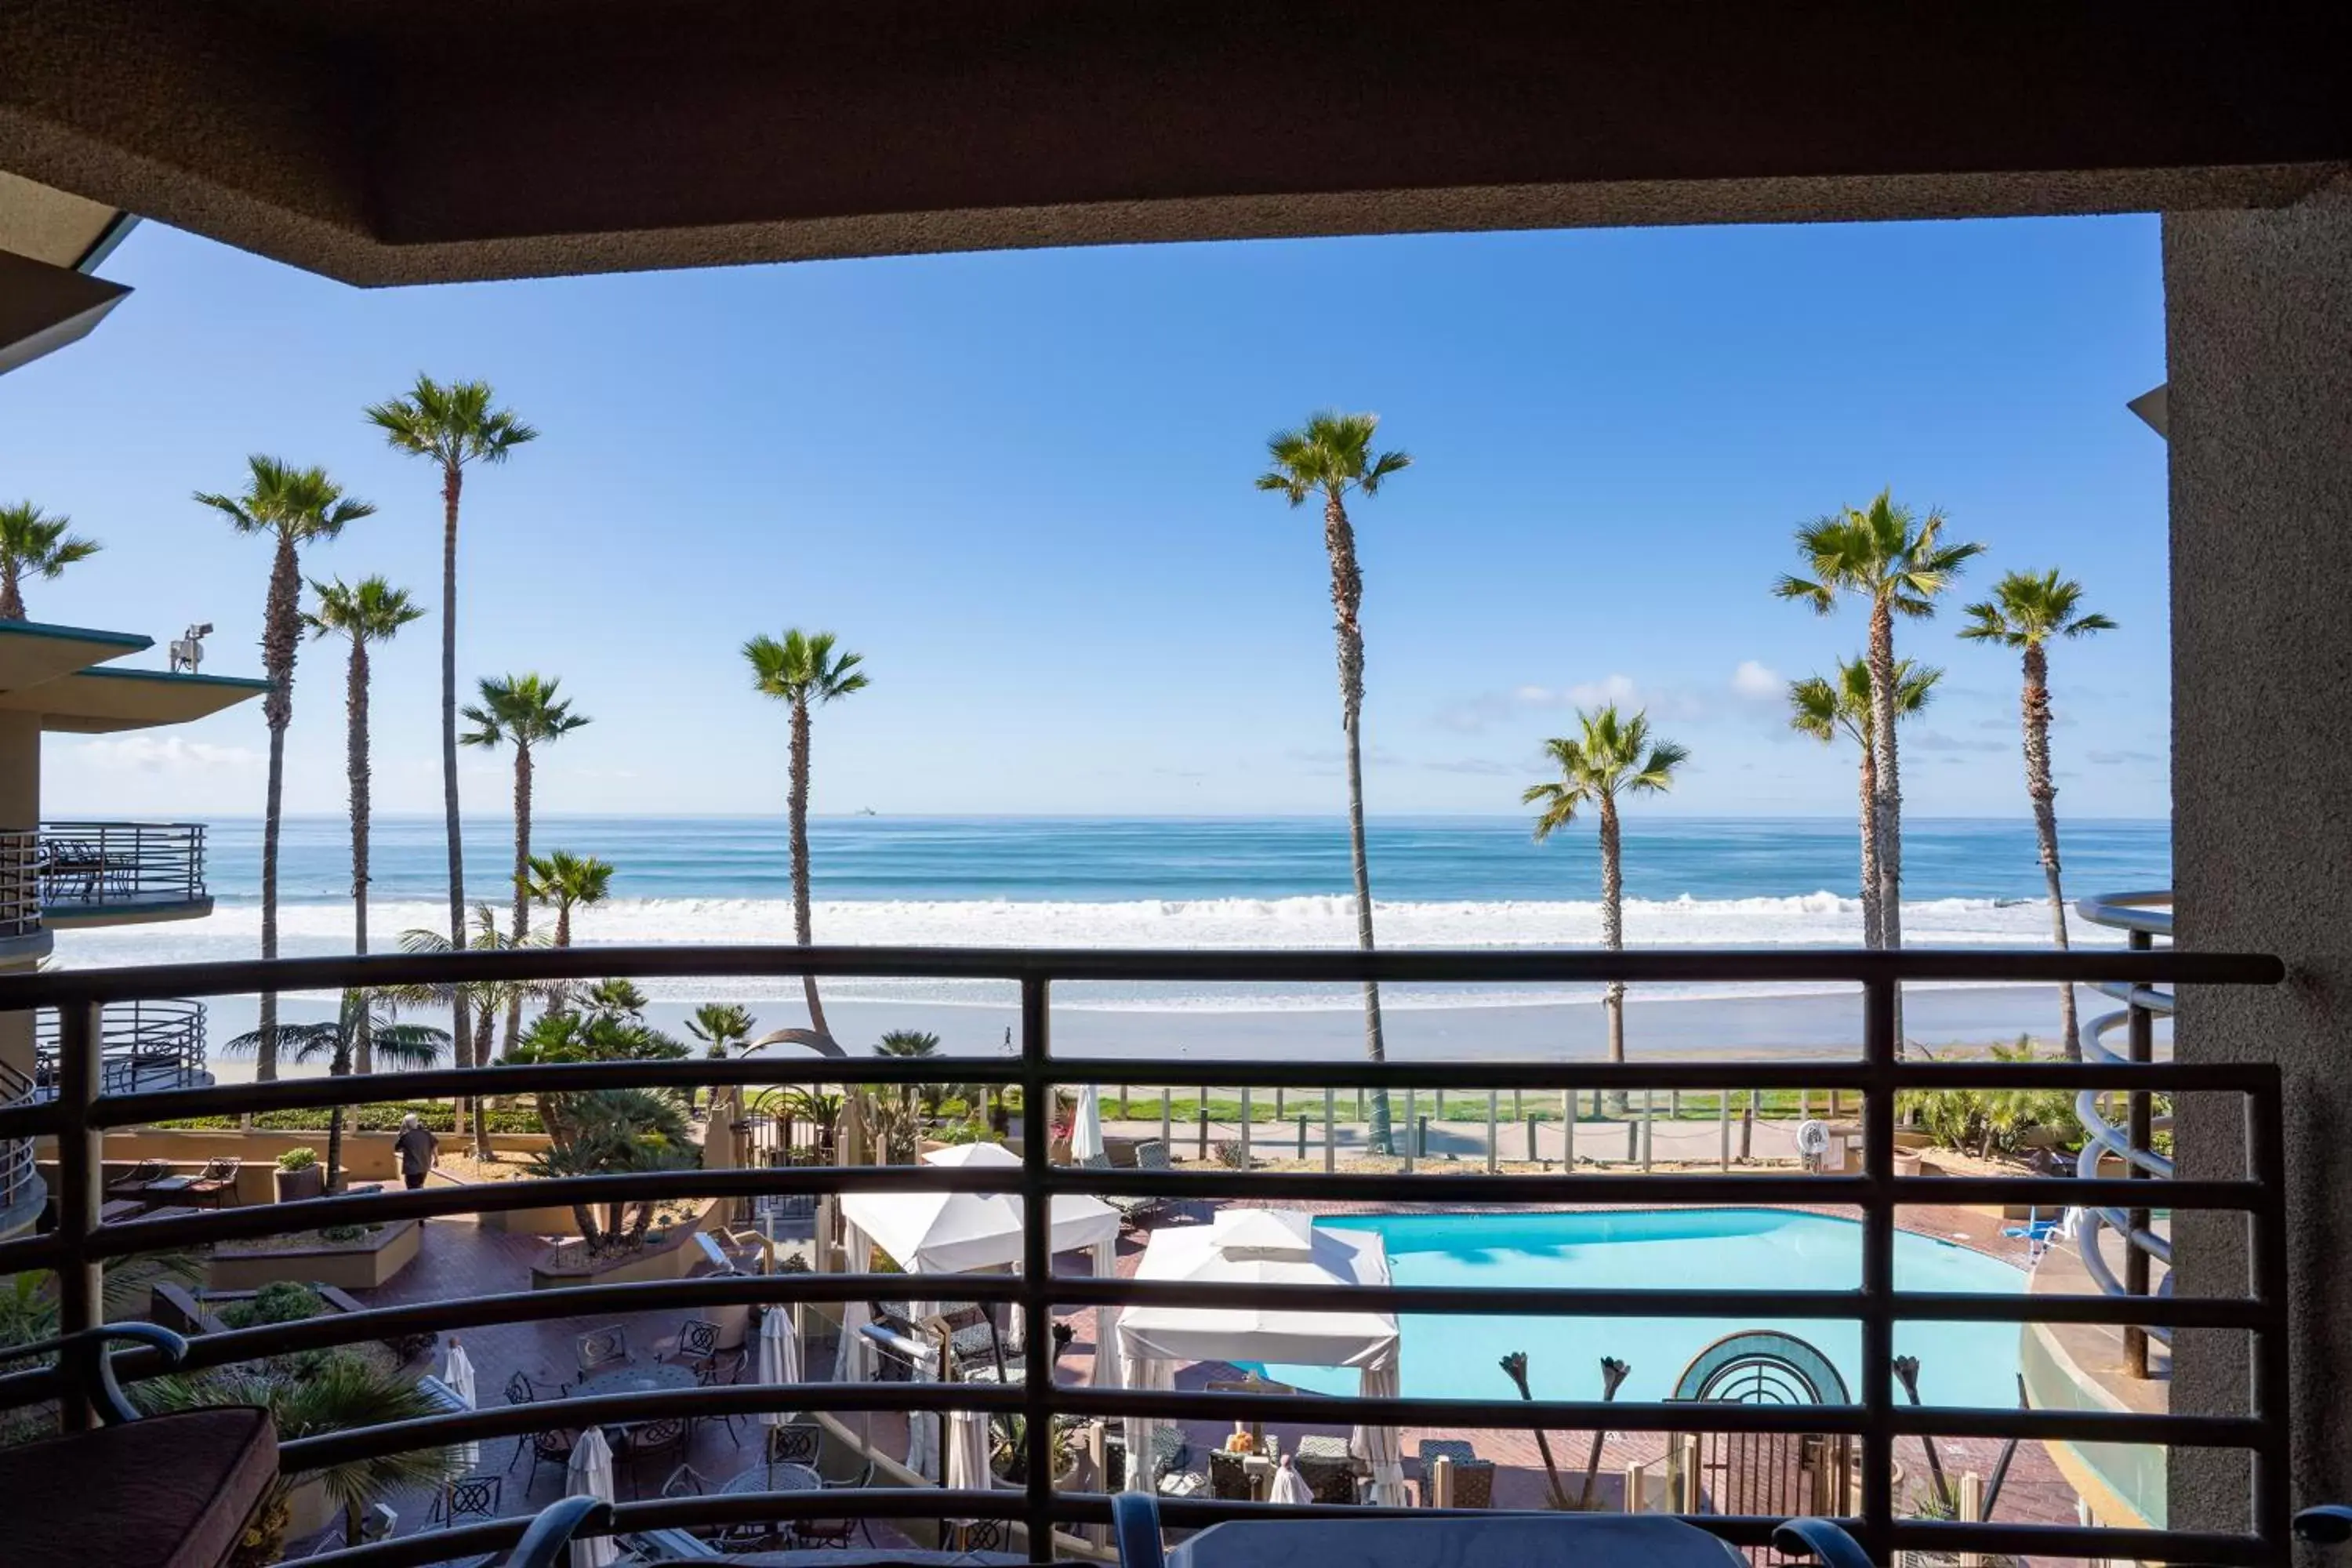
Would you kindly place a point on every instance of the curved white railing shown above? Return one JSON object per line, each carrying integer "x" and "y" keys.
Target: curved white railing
{"x": 2143, "y": 918}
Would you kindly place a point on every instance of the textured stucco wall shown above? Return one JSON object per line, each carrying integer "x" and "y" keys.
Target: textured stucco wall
{"x": 2258, "y": 316}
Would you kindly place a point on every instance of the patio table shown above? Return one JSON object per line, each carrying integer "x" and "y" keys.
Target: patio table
{"x": 644, "y": 1377}
{"x": 786, "y": 1477}
{"x": 1572, "y": 1540}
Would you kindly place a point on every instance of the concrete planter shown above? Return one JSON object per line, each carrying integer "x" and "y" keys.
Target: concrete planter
{"x": 304, "y": 1182}
{"x": 361, "y": 1265}
{"x": 674, "y": 1257}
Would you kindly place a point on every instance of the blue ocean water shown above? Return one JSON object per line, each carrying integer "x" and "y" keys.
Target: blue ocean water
{"x": 1104, "y": 860}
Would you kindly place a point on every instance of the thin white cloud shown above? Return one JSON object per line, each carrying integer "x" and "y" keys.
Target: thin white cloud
{"x": 1473, "y": 715}
{"x": 1758, "y": 682}
{"x": 167, "y": 753}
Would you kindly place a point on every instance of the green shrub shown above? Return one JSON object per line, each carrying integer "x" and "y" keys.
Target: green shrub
{"x": 298, "y": 1159}
{"x": 344, "y": 1235}
{"x": 282, "y": 1301}
{"x": 436, "y": 1115}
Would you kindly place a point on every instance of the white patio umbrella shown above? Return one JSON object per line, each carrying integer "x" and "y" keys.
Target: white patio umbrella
{"x": 1289, "y": 1486}
{"x": 1264, "y": 1246}
{"x": 780, "y": 1356}
{"x": 968, "y": 1452}
{"x": 590, "y": 1474}
{"x": 955, "y": 1233}
{"x": 458, "y": 1371}
{"x": 1085, "y": 1128}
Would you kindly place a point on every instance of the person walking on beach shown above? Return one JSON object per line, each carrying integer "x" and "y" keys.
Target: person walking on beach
{"x": 416, "y": 1147}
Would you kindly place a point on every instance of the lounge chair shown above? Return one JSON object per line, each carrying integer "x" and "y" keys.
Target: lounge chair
{"x": 1151, "y": 1154}
{"x": 1228, "y": 1477}
{"x": 1328, "y": 1478}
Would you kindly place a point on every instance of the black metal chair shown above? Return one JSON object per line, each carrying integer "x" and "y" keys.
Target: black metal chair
{"x": 794, "y": 1442}
{"x": 468, "y": 1497}
{"x": 600, "y": 1350}
{"x": 660, "y": 1439}
{"x": 550, "y": 1449}
{"x": 836, "y": 1532}
{"x": 697, "y": 1346}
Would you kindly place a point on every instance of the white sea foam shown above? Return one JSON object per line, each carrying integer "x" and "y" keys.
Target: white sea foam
{"x": 1816, "y": 919}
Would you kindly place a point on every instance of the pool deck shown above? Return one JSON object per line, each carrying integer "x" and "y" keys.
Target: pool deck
{"x": 458, "y": 1259}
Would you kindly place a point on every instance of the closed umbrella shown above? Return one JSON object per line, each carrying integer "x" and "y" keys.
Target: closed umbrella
{"x": 590, "y": 1474}
{"x": 967, "y": 1453}
{"x": 1378, "y": 1444}
{"x": 780, "y": 1356}
{"x": 1086, "y": 1128}
{"x": 458, "y": 1371}
{"x": 1289, "y": 1486}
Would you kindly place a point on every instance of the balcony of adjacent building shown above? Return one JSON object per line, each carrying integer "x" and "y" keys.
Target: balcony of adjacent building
{"x": 90, "y": 874}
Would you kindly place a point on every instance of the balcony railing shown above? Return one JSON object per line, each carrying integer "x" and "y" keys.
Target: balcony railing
{"x": 1874, "y": 1422}
{"x": 20, "y": 884}
{"x": 145, "y": 1045}
{"x": 16, "y": 1169}
{"x": 2144, "y": 917}
{"x": 106, "y": 869}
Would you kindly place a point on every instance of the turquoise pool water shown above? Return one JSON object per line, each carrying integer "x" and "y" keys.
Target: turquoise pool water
{"x": 1654, "y": 1249}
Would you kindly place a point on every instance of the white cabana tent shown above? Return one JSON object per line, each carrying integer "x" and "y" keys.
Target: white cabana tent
{"x": 1264, "y": 1246}
{"x": 957, "y": 1233}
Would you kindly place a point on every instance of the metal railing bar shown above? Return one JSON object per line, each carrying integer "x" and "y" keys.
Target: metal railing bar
{"x": 1332, "y": 965}
{"x": 1882, "y": 1047}
{"x": 1667, "y": 1416}
{"x": 319, "y": 1093}
{"x": 1036, "y": 1270}
{"x": 2044, "y": 1541}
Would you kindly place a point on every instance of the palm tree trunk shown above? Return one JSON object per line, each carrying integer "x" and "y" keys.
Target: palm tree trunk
{"x": 1613, "y": 933}
{"x": 341, "y": 1067}
{"x": 803, "y": 931}
{"x": 280, "y": 628}
{"x": 521, "y": 881}
{"x": 563, "y": 923}
{"x": 1871, "y": 932}
{"x": 1888, "y": 798}
{"x": 2043, "y": 792}
{"x": 453, "y": 480}
{"x": 12, "y": 598}
{"x": 1346, "y": 604}
{"x": 356, "y": 721}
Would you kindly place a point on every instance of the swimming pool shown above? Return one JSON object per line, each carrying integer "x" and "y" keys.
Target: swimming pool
{"x": 1654, "y": 1249}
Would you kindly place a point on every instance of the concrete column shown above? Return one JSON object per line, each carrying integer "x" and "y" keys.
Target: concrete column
{"x": 20, "y": 807}
{"x": 2258, "y": 320}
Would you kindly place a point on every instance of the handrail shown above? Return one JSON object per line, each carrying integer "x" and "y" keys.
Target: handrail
{"x": 149, "y": 1044}
{"x": 17, "y": 1154}
{"x": 102, "y": 866}
{"x": 2144, "y": 917}
{"x": 1873, "y": 1421}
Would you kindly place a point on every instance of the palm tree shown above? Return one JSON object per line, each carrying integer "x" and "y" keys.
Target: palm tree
{"x": 296, "y": 507}
{"x": 482, "y": 1000}
{"x": 370, "y": 611}
{"x": 308, "y": 1396}
{"x": 451, "y": 426}
{"x": 1823, "y": 707}
{"x": 1899, "y": 564}
{"x": 1329, "y": 456}
{"x": 522, "y": 712}
{"x": 569, "y": 882}
{"x": 721, "y": 1026}
{"x": 805, "y": 672}
{"x": 1614, "y": 756}
{"x": 31, "y": 541}
{"x": 2024, "y": 612}
{"x": 338, "y": 1039}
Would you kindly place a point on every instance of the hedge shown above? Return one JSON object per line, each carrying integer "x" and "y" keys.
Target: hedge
{"x": 438, "y": 1116}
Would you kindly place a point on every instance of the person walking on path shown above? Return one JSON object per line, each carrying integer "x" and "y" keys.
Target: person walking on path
{"x": 416, "y": 1147}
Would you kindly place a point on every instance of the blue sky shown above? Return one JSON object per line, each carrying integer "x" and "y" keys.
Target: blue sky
{"x": 1020, "y": 485}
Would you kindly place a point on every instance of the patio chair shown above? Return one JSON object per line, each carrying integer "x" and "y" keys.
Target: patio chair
{"x": 213, "y": 1184}
{"x": 552, "y": 1448}
{"x": 795, "y": 1442}
{"x": 1474, "y": 1483}
{"x": 836, "y": 1532}
{"x": 200, "y": 1473}
{"x": 132, "y": 1186}
{"x": 1228, "y": 1478}
{"x": 1328, "y": 1479}
{"x": 601, "y": 1350}
{"x": 696, "y": 1345}
{"x": 661, "y": 1439}
{"x": 468, "y": 1497}
{"x": 1151, "y": 1154}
